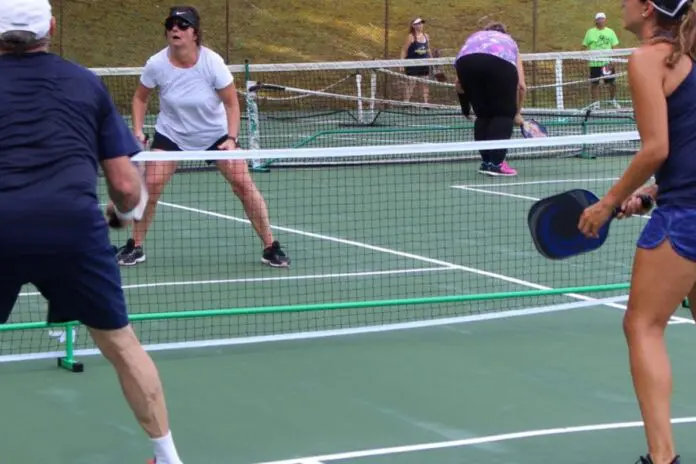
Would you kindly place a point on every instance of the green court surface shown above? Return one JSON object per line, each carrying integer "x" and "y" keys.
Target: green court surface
{"x": 371, "y": 393}
{"x": 517, "y": 380}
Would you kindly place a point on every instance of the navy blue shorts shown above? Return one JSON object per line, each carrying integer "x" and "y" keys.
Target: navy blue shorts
{"x": 678, "y": 225}
{"x": 83, "y": 287}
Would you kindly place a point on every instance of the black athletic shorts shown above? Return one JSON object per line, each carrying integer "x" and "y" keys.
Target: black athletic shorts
{"x": 596, "y": 73}
{"x": 420, "y": 71}
{"x": 161, "y": 142}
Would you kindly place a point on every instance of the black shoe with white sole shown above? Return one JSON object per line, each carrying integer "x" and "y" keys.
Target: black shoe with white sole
{"x": 130, "y": 255}
{"x": 274, "y": 256}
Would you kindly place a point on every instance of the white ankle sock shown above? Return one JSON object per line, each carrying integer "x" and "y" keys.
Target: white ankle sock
{"x": 165, "y": 451}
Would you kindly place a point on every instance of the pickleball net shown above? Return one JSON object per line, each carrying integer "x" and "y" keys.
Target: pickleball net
{"x": 373, "y": 246}
{"x": 364, "y": 103}
{"x": 380, "y": 103}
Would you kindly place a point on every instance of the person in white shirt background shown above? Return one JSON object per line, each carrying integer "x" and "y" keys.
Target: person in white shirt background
{"x": 199, "y": 110}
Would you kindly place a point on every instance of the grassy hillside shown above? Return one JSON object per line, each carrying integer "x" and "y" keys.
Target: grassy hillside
{"x": 125, "y": 32}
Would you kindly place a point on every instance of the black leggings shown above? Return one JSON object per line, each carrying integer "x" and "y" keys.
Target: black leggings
{"x": 490, "y": 85}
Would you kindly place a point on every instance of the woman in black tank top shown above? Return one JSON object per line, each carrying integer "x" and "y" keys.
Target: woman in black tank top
{"x": 416, "y": 46}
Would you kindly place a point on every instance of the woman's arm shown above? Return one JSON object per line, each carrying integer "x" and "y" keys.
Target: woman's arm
{"x": 521, "y": 89}
{"x": 404, "y": 48}
{"x": 223, "y": 83}
{"x": 148, "y": 82}
{"x": 463, "y": 99}
{"x": 645, "y": 77}
{"x": 139, "y": 109}
{"x": 228, "y": 95}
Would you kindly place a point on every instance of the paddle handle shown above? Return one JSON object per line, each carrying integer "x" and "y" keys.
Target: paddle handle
{"x": 645, "y": 200}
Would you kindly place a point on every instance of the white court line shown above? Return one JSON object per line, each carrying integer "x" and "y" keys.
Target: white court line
{"x": 474, "y": 441}
{"x": 673, "y": 320}
{"x": 369, "y": 138}
{"x": 512, "y": 195}
{"x": 484, "y": 316}
{"x": 271, "y": 279}
{"x": 540, "y": 182}
{"x": 390, "y": 251}
{"x": 493, "y": 192}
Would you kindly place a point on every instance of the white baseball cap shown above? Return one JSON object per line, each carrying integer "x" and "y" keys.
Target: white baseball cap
{"x": 26, "y": 15}
{"x": 599, "y": 15}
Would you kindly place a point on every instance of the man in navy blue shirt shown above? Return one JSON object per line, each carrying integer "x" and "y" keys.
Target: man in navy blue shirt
{"x": 58, "y": 124}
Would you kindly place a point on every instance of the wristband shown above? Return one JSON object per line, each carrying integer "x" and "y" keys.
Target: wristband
{"x": 136, "y": 214}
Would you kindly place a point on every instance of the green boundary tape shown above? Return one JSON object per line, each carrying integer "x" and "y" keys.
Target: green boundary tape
{"x": 70, "y": 363}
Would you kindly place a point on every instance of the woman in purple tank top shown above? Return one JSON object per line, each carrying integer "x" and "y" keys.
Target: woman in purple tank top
{"x": 491, "y": 81}
{"x": 662, "y": 79}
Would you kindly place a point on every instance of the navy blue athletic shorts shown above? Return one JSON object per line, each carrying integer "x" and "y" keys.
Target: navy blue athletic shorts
{"x": 84, "y": 287}
{"x": 673, "y": 223}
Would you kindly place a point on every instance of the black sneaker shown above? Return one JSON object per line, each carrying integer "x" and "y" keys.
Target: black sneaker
{"x": 124, "y": 250}
{"x": 130, "y": 255}
{"x": 648, "y": 460}
{"x": 274, "y": 256}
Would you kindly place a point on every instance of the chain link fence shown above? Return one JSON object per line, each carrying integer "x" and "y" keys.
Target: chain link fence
{"x": 124, "y": 33}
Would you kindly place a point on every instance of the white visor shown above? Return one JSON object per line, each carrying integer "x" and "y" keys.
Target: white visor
{"x": 672, "y": 13}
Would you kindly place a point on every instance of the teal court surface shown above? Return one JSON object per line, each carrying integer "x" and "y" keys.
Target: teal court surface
{"x": 521, "y": 379}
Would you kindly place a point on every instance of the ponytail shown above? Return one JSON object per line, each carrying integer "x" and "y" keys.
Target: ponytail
{"x": 680, "y": 33}
{"x": 687, "y": 34}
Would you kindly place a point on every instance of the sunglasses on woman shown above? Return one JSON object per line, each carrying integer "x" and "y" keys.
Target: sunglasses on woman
{"x": 182, "y": 24}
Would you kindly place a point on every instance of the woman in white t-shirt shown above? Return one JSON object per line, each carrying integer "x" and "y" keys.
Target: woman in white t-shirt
{"x": 199, "y": 110}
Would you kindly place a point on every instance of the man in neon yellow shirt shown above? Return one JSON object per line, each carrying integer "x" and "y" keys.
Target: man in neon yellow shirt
{"x": 601, "y": 37}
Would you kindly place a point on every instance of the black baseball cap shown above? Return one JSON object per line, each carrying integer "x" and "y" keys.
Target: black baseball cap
{"x": 672, "y": 8}
{"x": 186, "y": 13}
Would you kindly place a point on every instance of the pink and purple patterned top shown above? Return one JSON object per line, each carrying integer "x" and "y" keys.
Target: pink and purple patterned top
{"x": 493, "y": 43}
